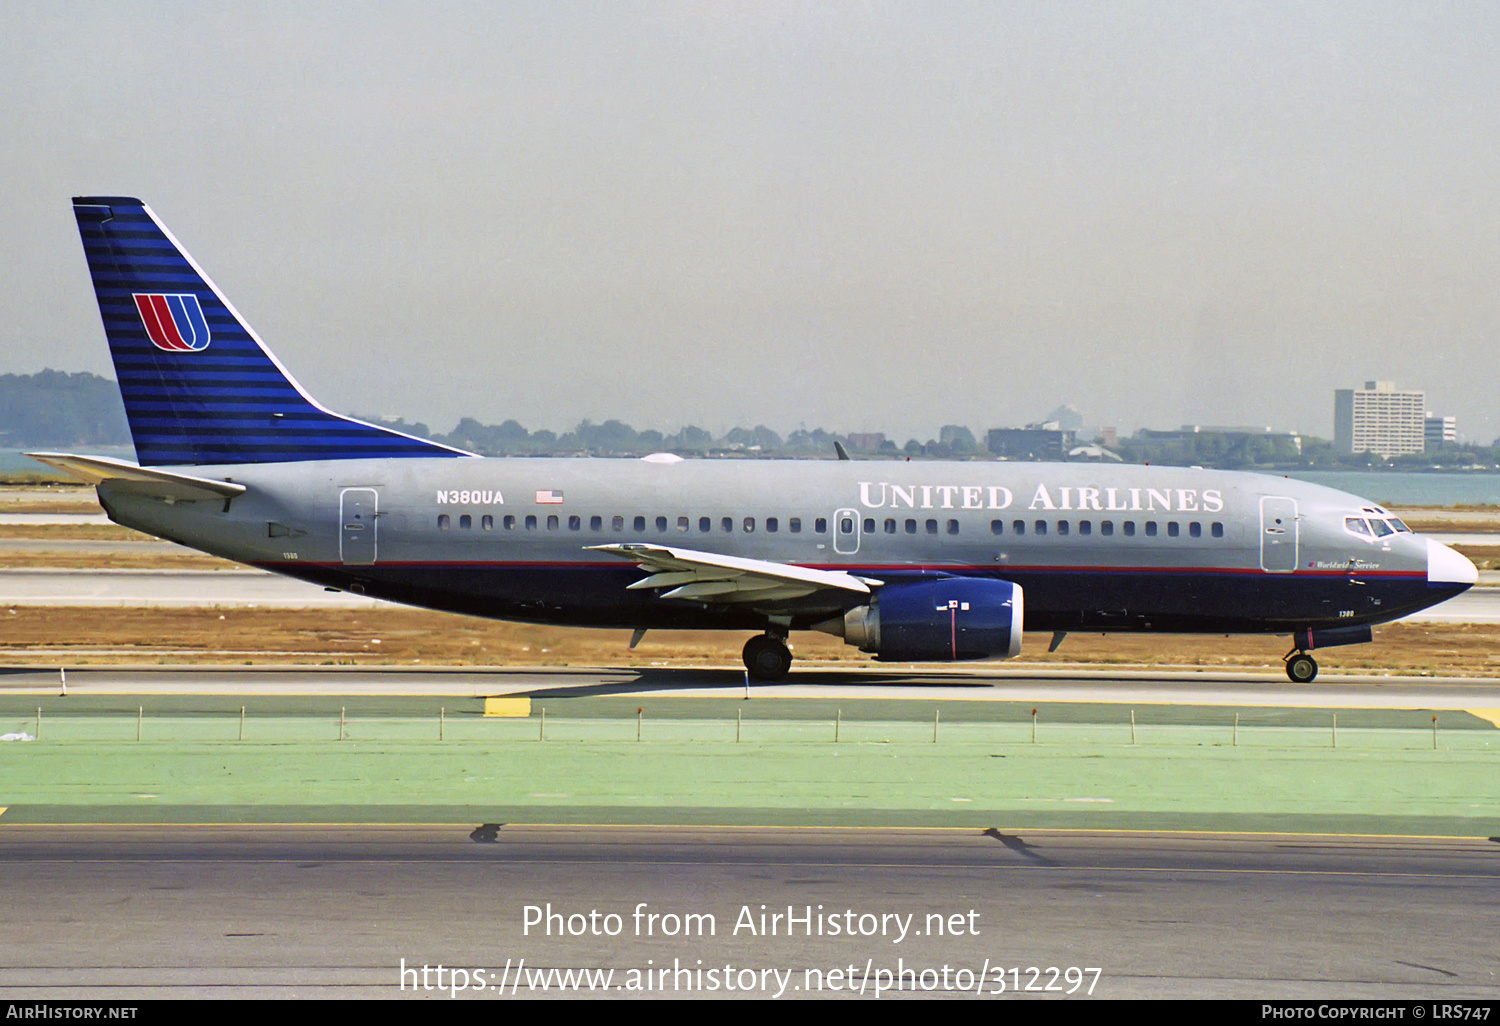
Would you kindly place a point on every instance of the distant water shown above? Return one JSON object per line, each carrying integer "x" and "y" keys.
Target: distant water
{"x": 1389, "y": 488}
{"x": 1400, "y": 488}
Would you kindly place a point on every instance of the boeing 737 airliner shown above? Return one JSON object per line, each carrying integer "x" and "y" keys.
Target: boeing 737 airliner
{"x": 918, "y": 561}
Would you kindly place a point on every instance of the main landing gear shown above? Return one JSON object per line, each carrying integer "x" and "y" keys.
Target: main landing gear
{"x": 1300, "y": 666}
{"x": 767, "y": 657}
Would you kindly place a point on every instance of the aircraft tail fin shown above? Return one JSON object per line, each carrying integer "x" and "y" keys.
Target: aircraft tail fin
{"x": 199, "y": 386}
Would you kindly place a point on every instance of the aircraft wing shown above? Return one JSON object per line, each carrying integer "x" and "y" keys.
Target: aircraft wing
{"x": 709, "y": 577}
{"x": 166, "y": 484}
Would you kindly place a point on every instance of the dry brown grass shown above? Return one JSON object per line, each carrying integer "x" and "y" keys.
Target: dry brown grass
{"x": 1453, "y": 526}
{"x": 72, "y": 532}
{"x": 76, "y": 636}
{"x": 173, "y": 560}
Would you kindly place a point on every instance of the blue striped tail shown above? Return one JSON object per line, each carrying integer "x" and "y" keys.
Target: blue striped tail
{"x": 199, "y": 386}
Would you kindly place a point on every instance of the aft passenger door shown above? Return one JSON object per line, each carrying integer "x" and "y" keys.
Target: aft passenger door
{"x": 1278, "y": 534}
{"x": 358, "y": 509}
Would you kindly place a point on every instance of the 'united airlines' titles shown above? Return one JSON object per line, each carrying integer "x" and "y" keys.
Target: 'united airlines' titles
{"x": 887, "y": 495}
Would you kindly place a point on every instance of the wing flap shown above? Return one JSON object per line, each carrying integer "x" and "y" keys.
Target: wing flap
{"x": 710, "y": 577}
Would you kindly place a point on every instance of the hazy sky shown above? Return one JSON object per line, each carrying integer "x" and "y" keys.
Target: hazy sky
{"x": 860, "y": 216}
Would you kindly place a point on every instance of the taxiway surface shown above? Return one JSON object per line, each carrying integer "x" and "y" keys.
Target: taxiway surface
{"x": 986, "y": 683}
{"x": 246, "y": 587}
{"x": 140, "y": 912}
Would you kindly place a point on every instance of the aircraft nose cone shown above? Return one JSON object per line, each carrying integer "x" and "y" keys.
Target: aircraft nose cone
{"x": 1444, "y": 566}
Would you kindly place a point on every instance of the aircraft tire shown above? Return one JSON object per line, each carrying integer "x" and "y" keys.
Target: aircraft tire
{"x": 1301, "y": 668}
{"x": 767, "y": 658}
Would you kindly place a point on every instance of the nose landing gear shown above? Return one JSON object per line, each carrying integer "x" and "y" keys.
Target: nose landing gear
{"x": 767, "y": 657}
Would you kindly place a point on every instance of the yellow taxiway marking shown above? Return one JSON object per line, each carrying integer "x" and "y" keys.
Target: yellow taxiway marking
{"x": 1493, "y": 715}
{"x": 507, "y": 707}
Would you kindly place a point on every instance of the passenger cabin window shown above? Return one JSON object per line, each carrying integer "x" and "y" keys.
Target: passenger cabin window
{"x": 488, "y": 522}
{"x": 727, "y": 524}
{"x": 911, "y": 526}
{"x": 661, "y": 523}
{"x": 869, "y": 525}
{"x": 1019, "y": 527}
{"x": 639, "y": 523}
{"x": 1218, "y": 530}
{"x": 1085, "y": 527}
{"x": 442, "y": 521}
{"x": 618, "y": 523}
{"x": 749, "y": 525}
{"x": 931, "y": 526}
{"x": 1151, "y": 529}
{"x": 1173, "y": 529}
{"x": 465, "y": 522}
{"x": 890, "y": 525}
{"x": 705, "y": 525}
{"x": 1195, "y": 529}
{"x": 552, "y": 522}
{"x": 1041, "y": 527}
{"x": 509, "y": 522}
{"x": 575, "y": 523}
{"x": 820, "y": 525}
{"x": 952, "y": 526}
{"x": 1106, "y": 527}
{"x": 772, "y": 524}
{"x": 1062, "y": 527}
{"x": 794, "y": 525}
{"x": 997, "y": 527}
{"x": 596, "y": 523}
{"x": 531, "y": 522}
{"x": 846, "y": 525}
{"x": 1129, "y": 527}
{"x": 682, "y": 524}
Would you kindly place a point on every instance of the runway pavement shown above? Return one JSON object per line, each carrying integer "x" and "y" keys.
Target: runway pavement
{"x": 335, "y": 912}
{"x": 246, "y": 587}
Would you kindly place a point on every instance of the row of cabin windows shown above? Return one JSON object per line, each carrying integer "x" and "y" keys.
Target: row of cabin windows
{"x": 1107, "y": 528}
{"x": 772, "y": 525}
{"x": 706, "y": 525}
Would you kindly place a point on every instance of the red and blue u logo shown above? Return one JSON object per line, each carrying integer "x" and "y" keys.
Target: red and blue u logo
{"x": 173, "y": 322}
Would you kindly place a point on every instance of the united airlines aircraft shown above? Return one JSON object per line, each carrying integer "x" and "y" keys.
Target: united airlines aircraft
{"x": 908, "y": 561}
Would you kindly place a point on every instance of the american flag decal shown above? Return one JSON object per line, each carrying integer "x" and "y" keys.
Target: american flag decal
{"x": 173, "y": 322}
{"x": 550, "y": 497}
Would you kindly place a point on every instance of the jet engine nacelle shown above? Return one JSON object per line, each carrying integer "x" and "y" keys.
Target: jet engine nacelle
{"x": 950, "y": 618}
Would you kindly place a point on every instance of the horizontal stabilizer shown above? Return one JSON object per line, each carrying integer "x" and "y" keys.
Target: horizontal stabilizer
{"x": 164, "y": 484}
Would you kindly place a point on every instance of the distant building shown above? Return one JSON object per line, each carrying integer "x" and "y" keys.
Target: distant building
{"x": 1379, "y": 419}
{"x": 1282, "y": 443}
{"x": 1036, "y": 442}
{"x": 1440, "y": 431}
{"x": 1065, "y": 417}
{"x": 867, "y": 441}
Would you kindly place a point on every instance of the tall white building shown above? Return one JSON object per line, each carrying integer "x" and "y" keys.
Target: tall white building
{"x": 1379, "y": 419}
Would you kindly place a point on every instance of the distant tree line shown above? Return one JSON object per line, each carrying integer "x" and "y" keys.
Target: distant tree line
{"x": 55, "y": 409}
{"x": 616, "y": 438}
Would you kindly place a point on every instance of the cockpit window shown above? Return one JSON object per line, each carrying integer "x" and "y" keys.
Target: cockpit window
{"x": 1399, "y": 526}
{"x": 1356, "y": 525}
{"x": 1382, "y": 528}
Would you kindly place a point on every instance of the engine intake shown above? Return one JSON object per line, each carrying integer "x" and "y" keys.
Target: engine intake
{"x": 943, "y": 620}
